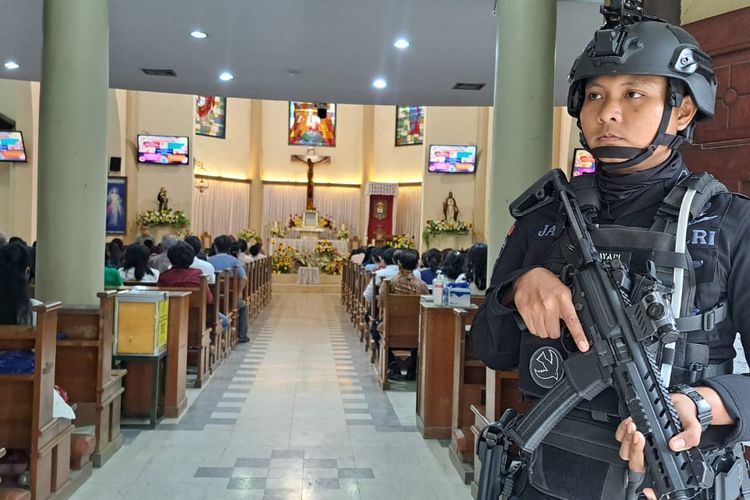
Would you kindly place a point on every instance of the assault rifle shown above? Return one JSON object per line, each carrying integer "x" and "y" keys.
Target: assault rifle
{"x": 626, "y": 321}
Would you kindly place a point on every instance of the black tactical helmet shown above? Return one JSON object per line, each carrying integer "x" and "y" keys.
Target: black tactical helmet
{"x": 631, "y": 43}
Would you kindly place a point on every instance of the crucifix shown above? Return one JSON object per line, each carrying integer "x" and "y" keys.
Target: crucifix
{"x": 311, "y": 159}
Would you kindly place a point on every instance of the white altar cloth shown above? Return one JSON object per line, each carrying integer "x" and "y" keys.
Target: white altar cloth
{"x": 307, "y": 245}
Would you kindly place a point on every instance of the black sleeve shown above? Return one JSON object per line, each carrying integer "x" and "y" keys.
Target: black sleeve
{"x": 735, "y": 389}
{"x": 495, "y": 335}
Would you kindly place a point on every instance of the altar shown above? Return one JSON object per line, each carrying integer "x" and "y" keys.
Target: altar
{"x": 307, "y": 245}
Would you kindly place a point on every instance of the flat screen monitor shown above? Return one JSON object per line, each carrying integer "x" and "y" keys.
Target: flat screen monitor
{"x": 163, "y": 150}
{"x": 11, "y": 146}
{"x": 583, "y": 162}
{"x": 452, "y": 159}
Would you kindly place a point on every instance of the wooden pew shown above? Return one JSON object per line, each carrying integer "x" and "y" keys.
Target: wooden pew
{"x": 26, "y": 420}
{"x": 234, "y": 295}
{"x": 400, "y": 314}
{"x": 84, "y": 370}
{"x": 213, "y": 322}
{"x": 468, "y": 389}
{"x": 175, "y": 399}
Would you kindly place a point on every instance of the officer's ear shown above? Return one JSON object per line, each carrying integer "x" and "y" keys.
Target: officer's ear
{"x": 685, "y": 113}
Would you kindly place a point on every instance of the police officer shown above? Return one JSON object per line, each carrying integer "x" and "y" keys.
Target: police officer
{"x": 636, "y": 90}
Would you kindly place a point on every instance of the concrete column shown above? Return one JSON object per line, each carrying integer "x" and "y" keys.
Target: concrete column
{"x": 73, "y": 151}
{"x": 255, "y": 172}
{"x": 522, "y": 114}
{"x": 480, "y": 183}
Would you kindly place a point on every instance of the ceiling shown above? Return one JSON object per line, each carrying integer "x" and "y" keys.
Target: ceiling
{"x": 337, "y": 47}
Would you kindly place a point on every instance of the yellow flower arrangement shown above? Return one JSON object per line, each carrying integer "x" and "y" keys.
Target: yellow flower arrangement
{"x": 444, "y": 226}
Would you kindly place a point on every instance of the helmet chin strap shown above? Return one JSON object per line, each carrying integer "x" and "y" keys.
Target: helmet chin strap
{"x": 634, "y": 156}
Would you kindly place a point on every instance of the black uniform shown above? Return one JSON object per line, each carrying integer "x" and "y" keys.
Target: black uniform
{"x": 718, "y": 242}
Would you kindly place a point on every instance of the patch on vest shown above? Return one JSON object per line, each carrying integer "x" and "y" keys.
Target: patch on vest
{"x": 623, "y": 257}
{"x": 546, "y": 367}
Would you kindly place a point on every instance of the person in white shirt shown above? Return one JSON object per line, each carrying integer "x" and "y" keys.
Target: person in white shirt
{"x": 244, "y": 257}
{"x": 388, "y": 269}
{"x": 135, "y": 265}
{"x": 206, "y": 267}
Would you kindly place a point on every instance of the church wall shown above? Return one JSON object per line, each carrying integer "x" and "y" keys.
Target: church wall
{"x": 19, "y": 100}
{"x": 695, "y": 10}
{"x": 167, "y": 114}
{"x": 229, "y": 157}
{"x": 391, "y": 163}
{"x": 450, "y": 125}
{"x": 345, "y": 166}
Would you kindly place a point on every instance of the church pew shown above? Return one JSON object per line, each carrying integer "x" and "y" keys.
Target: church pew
{"x": 84, "y": 370}
{"x": 213, "y": 322}
{"x": 400, "y": 316}
{"x": 175, "y": 399}
{"x": 199, "y": 330}
{"x": 234, "y": 295}
{"x": 468, "y": 388}
{"x": 26, "y": 420}
{"x": 345, "y": 285}
{"x": 225, "y": 308}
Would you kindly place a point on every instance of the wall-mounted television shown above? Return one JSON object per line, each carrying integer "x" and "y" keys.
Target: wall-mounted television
{"x": 163, "y": 150}
{"x": 11, "y": 146}
{"x": 452, "y": 159}
{"x": 583, "y": 162}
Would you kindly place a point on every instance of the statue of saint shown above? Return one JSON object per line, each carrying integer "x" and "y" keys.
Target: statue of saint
{"x": 163, "y": 200}
{"x": 450, "y": 208}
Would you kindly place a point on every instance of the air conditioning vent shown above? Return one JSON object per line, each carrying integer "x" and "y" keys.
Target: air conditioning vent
{"x": 468, "y": 86}
{"x": 159, "y": 72}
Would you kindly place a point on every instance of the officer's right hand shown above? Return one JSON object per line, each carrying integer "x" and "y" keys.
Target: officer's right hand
{"x": 543, "y": 300}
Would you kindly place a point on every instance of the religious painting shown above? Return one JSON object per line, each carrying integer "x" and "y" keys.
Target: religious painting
{"x": 117, "y": 198}
{"x": 210, "y": 116}
{"x": 409, "y": 125}
{"x": 380, "y": 210}
{"x": 312, "y": 124}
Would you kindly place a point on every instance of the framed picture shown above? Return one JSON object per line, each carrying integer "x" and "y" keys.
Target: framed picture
{"x": 312, "y": 124}
{"x": 211, "y": 116}
{"x": 310, "y": 218}
{"x": 409, "y": 125}
{"x": 583, "y": 162}
{"x": 117, "y": 202}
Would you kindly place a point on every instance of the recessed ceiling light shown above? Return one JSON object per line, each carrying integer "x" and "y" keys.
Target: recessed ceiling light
{"x": 225, "y": 76}
{"x": 379, "y": 83}
{"x": 12, "y": 65}
{"x": 401, "y": 43}
{"x": 198, "y": 34}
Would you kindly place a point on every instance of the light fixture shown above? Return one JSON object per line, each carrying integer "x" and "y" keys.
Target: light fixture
{"x": 11, "y": 65}
{"x": 201, "y": 185}
{"x": 379, "y": 83}
{"x": 200, "y": 35}
{"x": 402, "y": 43}
{"x": 226, "y": 76}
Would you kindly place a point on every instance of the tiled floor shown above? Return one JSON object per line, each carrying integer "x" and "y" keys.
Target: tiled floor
{"x": 294, "y": 414}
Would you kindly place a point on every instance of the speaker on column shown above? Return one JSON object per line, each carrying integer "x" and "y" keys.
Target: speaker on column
{"x": 115, "y": 163}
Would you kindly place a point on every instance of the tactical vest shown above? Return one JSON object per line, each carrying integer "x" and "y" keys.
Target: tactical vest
{"x": 589, "y": 430}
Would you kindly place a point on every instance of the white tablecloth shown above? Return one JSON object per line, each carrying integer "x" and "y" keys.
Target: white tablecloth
{"x": 307, "y": 245}
{"x": 308, "y": 276}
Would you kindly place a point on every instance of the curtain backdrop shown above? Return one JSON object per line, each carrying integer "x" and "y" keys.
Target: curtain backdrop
{"x": 280, "y": 201}
{"x": 408, "y": 211}
{"x": 223, "y": 208}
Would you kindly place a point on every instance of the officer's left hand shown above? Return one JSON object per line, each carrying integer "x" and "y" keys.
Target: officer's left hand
{"x": 632, "y": 441}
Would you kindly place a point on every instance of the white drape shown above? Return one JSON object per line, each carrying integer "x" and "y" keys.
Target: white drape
{"x": 408, "y": 211}
{"x": 223, "y": 208}
{"x": 282, "y": 200}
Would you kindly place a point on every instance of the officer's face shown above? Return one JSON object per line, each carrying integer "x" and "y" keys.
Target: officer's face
{"x": 625, "y": 111}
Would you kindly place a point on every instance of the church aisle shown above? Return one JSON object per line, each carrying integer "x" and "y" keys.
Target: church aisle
{"x": 294, "y": 414}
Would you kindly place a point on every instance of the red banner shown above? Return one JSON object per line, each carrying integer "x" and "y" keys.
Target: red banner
{"x": 380, "y": 216}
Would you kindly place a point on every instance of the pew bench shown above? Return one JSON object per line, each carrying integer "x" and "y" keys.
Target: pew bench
{"x": 84, "y": 371}
{"x": 26, "y": 420}
{"x": 400, "y": 314}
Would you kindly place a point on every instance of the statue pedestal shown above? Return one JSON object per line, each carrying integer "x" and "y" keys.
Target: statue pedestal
{"x": 456, "y": 241}
{"x": 309, "y": 233}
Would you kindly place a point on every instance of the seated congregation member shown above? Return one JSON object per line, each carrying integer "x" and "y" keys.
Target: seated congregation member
{"x": 260, "y": 255}
{"x": 180, "y": 274}
{"x": 476, "y": 273}
{"x": 160, "y": 262}
{"x": 358, "y": 256}
{"x": 135, "y": 265}
{"x": 430, "y": 264}
{"x": 372, "y": 262}
{"x": 255, "y": 252}
{"x": 15, "y": 303}
{"x": 453, "y": 266}
{"x": 405, "y": 282}
{"x": 244, "y": 256}
{"x": 388, "y": 269}
{"x": 221, "y": 261}
{"x": 145, "y": 236}
{"x": 3, "y": 239}
{"x": 112, "y": 257}
{"x": 199, "y": 261}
